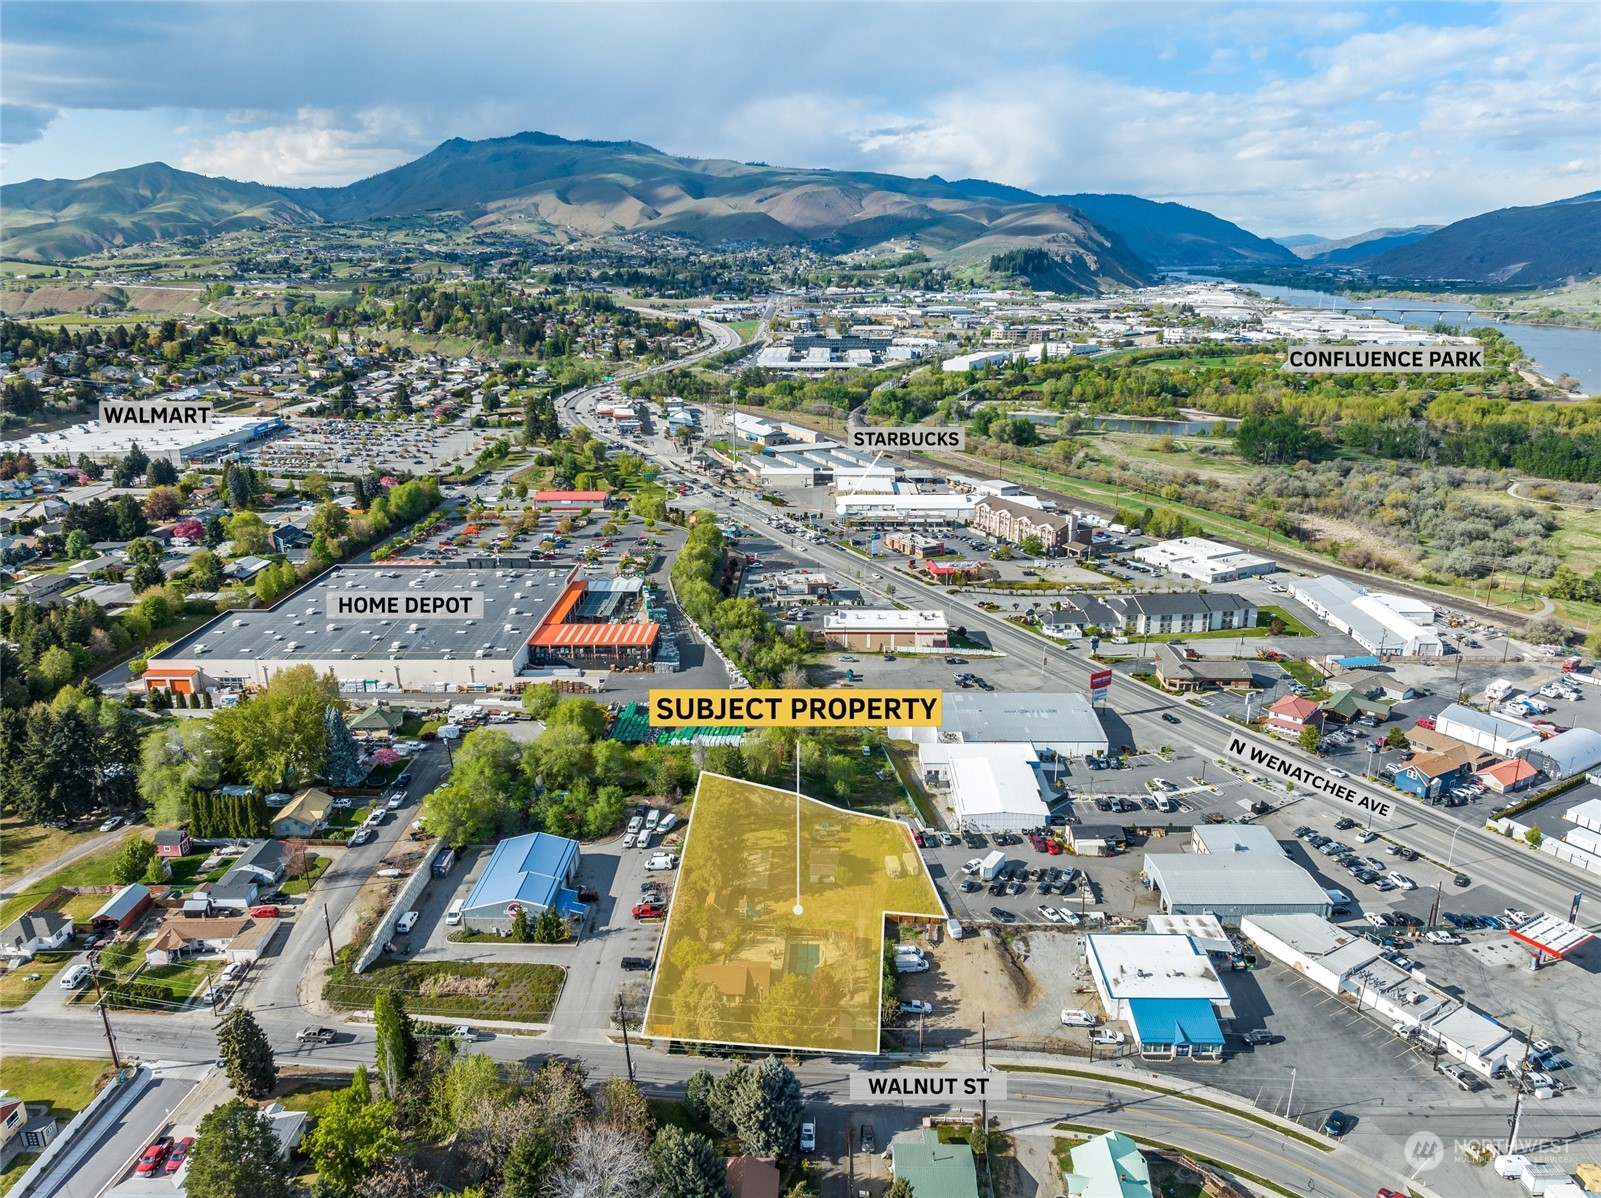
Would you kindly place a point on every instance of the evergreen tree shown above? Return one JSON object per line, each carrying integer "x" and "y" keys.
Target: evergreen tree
{"x": 899, "y": 1188}
{"x": 766, "y": 1110}
{"x": 532, "y": 1158}
{"x": 236, "y": 1154}
{"x": 686, "y": 1165}
{"x": 243, "y": 1047}
{"x": 345, "y": 766}
{"x": 697, "y": 1096}
{"x": 521, "y": 932}
{"x": 550, "y": 928}
{"x": 397, "y": 1041}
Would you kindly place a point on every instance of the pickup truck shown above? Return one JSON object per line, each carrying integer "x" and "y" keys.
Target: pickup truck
{"x": 317, "y": 1035}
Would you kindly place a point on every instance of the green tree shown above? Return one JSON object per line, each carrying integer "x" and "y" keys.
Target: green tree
{"x": 561, "y": 755}
{"x": 54, "y": 668}
{"x": 397, "y": 1041}
{"x": 281, "y": 734}
{"x": 539, "y": 701}
{"x": 79, "y": 544}
{"x": 899, "y": 1188}
{"x": 469, "y": 1087}
{"x": 353, "y": 1133}
{"x": 1395, "y": 739}
{"x": 550, "y": 928}
{"x": 331, "y": 521}
{"x": 236, "y": 1154}
{"x": 247, "y": 533}
{"x": 532, "y": 1160}
{"x": 1533, "y": 836}
{"x": 345, "y": 767}
{"x": 132, "y": 860}
{"x": 246, "y": 1054}
{"x": 687, "y": 1165}
{"x": 766, "y": 1109}
{"x": 176, "y": 763}
{"x": 1310, "y": 738}
{"x": 521, "y": 931}
{"x": 585, "y": 714}
{"x": 697, "y": 1096}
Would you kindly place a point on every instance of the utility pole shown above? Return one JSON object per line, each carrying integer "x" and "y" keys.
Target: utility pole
{"x": 329, "y": 928}
{"x": 984, "y": 1067}
{"x": 628, "y": 1052}
{"x": 100, "y": 1005}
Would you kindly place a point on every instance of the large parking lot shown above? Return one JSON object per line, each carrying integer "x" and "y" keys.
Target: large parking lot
{"x": 420, "y": 445}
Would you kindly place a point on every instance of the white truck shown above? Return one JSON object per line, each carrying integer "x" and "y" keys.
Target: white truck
{"x": 992, "y": 865}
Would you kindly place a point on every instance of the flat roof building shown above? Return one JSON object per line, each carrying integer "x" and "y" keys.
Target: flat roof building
{"x": 1165, "y": 987}
{"x": 1204, "y": 560}
{"x": 222, "y": 436}
{"x": 992, "y": 787}
{"x": 1379, "y": 623}
{"x": 243, "y": 648}
{"x": 536, "y": 873}
{"x": 875, "y": 629}
{"x": 1233, "y": 870}
{"x": 1061, "y": 722}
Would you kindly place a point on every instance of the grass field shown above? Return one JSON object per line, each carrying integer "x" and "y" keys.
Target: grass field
{"x": 93, "y": 870}
{"x": 745, "y": 328}
{"x": 67, "y": 1085}
{"x": 182, "y": 981}
{"x": 16, "y": 989}
{"x": 28, "y": 846}
{"x": 520, "y": 993}
{"x": 311, "y": 1097}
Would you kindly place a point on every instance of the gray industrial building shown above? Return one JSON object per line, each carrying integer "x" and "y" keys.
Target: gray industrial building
{"x": 1231, "y": 871}
{"x": 1060, "y": 721}
{"x": 244, "y": 648}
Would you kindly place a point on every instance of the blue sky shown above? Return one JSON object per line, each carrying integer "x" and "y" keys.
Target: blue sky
{"x": 1285, "y": 117}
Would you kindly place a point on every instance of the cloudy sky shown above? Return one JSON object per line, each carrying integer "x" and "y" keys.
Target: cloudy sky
{"x": 1288, "y": 118}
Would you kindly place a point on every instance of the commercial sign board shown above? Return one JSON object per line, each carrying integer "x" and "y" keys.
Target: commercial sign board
{"x": 399, "y": 605}
{"x": 1100, "y": 685}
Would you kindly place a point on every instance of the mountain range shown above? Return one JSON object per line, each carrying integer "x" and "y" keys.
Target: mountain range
{"x": 1358, "y": 248}
{"x": 548, "y": 188}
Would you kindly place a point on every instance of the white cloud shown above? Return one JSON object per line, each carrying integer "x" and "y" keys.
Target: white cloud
{"x": 316, "y": 149}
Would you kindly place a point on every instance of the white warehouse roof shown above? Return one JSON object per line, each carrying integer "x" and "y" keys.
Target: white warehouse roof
{"x": 875, "y": 619}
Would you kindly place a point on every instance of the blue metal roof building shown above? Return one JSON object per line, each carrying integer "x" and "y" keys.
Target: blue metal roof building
{"x": 1175, "y": 1027}
{"x": 536, "y": 872}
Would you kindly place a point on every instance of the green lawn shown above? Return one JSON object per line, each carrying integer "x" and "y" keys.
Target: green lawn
{"x": 14, "y": 1171}
{"x": 186, "y": 871}
{"x": 67, "y": 1085}
{"x": 28, "y": 846}
{"x": 16, "y": 989}
{"x": 311, "y": 1097}
{"x": 523, "y": 993}
{"x": 1303, "y": 673}
{"x": 182, "y": 981}
{"x": 316, "y": 866}
{"x": 93, "y": 870}
{"x": 1292, "y": 627}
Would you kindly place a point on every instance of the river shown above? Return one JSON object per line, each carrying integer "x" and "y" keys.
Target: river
{"x": 1553, "y": 349}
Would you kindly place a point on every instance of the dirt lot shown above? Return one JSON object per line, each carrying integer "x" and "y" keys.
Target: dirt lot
{"x": 1013, "y": 986}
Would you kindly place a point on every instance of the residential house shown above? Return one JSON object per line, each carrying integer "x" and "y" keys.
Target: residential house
{"x": 1505, "y": 777}
{"x": 1426, "y": 776}
{"x": 933, "y": 1169}
{"x": 1177, "y": 671}
{"x": 246, "y": 568}
{"x": 241, "y": 939}
{"x": 380, "y": 720}
{"x": 173, "y": 842}
{"x": 259, "y": 870}
{"x": 305, "y": 815}
{"x": 1165, "y": 614}
{"x": 35, "y": 932}
{"x": 752, "y": 1177}
{"x": 1108, "y": 1166}
{"x": 1346, "y": 705}
{"x": 1291, "y": 716}
{"x": 288, "y": 537}
{"x": 22, "y": 1130}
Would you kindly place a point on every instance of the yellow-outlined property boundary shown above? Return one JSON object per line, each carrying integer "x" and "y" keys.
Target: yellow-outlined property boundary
{"x": 746, "y": 962}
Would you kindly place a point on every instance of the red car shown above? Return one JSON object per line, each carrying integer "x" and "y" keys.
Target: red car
{"x": 154, "y": 1157}
{"x": 180, "y": 1153}
{"x": 267, "y": 912}
{"x": 1425, "y": 723}
{"x": 1053, "y": 848}
{"x": 917, "y": 838}
{"x": 1387, "y": 1192}
{"x": 649, "y": 911}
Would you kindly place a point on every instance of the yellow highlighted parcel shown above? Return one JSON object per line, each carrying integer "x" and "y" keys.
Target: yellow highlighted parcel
{"x": 796, "y": 708}
{"x": 776, "y": 933}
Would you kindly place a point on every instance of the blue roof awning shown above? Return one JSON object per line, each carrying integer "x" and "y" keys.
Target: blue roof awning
{"x": 1175, "y": 1021}
{"x": 1357, "y": 663}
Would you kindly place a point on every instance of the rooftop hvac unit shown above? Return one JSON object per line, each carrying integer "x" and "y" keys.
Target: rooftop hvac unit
{"x": 478, "y": 652}
{"x": 332, "y": 628}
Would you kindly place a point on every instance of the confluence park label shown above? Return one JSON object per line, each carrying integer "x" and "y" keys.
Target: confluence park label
{"x": 796, "y": 708}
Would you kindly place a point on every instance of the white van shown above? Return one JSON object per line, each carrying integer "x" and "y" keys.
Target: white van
{"x": 1076, "y": 1018}
{"x": 953, "y": 929}
{"x": 652, "y": 818}
{"x": 407, "y": 922}
{"x": 453, "y": 916}
{"x": 669, "y": 822}
{"x": 661, "y": 861}
{"x": 75, "y": 977}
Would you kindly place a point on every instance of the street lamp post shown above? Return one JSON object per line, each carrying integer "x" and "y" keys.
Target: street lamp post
{"x": 1289, "y": 1105}
{"x": 1450, "y": 856}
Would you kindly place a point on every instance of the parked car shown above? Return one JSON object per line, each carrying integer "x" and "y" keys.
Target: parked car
{"x": 916, "y": 1006}
{"x": 362, "y": 836}
{"x": 1259, "y": 1035}
{"x": 317, "y": 1035}
{"x": 267, "y": 911}
{"x": 1337, "y": 1124}
{"x": 1105, "y": 1035}
{"x": 1072, "y": 1017}
{"x": 178, "y": 1155}
{"x": 153, "y": 1157}
{"x": 1003, "y": 915}
{"x": 808, "y": 1137}
{"x": 649, "y": 910}
{"x": 636, "y": 963}
{"x": 112, "y": 824}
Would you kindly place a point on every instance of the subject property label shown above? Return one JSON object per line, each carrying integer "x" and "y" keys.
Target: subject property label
{"x": 929, "y": 1085}
{"x": 401, "y": 605}
{"x": 1400, "y": 359}
{"x": 796, "y": 708}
